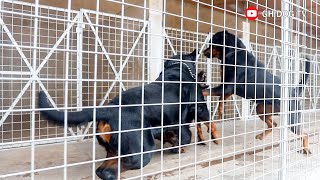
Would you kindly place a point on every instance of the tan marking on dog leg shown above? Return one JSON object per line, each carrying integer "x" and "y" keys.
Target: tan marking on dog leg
{"x": 103, "y": 127}
{"x": 221, "y": 103}
{"x": 214, "y": 132}
{"x": 200, "y": 134}
{"x": 305, "y": 144}
{"x": 264, "y": 112}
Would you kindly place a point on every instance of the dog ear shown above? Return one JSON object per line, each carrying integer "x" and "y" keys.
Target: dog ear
{"x": 166, "y": 64}
{"x": 194, "y": 53}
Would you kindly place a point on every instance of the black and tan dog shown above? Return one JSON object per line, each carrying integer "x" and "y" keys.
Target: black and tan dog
{"x": 170, "y": 135}
{"x": 245, "y": 76}
{"x": 179, "y": 106}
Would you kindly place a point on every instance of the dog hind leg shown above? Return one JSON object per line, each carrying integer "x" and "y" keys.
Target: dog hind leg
{"x": 185, "y": 139}
{"x": 265, "y": 114}
{"x": 109, "y": 168}
{"x": 297, "y": 129}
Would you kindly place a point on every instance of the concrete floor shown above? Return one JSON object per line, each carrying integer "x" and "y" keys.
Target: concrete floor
{"x": 239, "y": 156}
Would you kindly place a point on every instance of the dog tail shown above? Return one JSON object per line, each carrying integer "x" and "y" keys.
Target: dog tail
{"x": 74, "y": 118}
{"x": 304, "y": 79}
{"x": 307, "y": 72}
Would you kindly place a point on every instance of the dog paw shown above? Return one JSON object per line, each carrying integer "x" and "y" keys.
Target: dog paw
{"x": 214, "y": 138}
{"x": 259, "y": 136}
{"x": 217, "y": 142}
{"x": 106, "y": 174}
{"x": 305, "y": 151}
{"x": 202, "y": 143}
{"x": 175, "y": 150}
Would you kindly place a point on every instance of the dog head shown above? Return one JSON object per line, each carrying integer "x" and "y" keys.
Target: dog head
{"x": 220, "y": 40}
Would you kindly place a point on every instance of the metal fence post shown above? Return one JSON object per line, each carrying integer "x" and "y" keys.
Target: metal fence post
{"x": 156, "y": 39}
{"x": 285, "y": 40}
{"x": 245, "y": 103}
{"x": 80, "y": 27}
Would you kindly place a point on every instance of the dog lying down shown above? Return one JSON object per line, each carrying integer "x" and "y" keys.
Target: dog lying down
{"x": 153, "y": 114}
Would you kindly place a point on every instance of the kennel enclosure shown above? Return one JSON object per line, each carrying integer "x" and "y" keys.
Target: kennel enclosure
{"x": 82, "y": 54}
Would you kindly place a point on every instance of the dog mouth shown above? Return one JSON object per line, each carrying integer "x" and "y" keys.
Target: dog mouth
{"x": 204, "y": 86}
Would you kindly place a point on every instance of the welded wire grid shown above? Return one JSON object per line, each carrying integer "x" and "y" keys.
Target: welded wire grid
{"x": 134, "y": 40}
{"x": 188, "y": 41}
{"x": 93, "y": 52}
{"x": 15, "y": 62}
{"x": 52, "y": 25}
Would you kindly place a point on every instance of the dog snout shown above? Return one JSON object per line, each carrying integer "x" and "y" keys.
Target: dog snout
{"x": 207, "y": 53}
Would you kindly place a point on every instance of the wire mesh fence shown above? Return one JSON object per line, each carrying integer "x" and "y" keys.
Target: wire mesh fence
{"x": 143, "y": 89}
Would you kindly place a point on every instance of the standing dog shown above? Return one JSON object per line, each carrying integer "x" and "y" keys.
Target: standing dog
{"x": 245, "y": 76}
{"x": 179, "y": 98}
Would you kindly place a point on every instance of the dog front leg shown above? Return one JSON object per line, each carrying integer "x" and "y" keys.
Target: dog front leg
{"x": 221, "y": 103}
{"x": 214, "y": 133}
{"x": 185, "y": 137}
{"x": 200, "y": 134}
{"x": 219, "y": 90}
{"x": 297, "y": 129}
